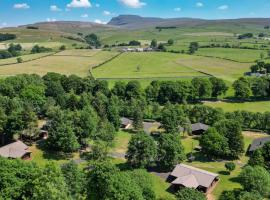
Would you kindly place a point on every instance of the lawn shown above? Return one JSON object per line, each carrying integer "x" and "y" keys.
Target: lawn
{"x": 240, "y": 55}
{"x": 145, "y": 65}
{"x": 258, "y": 106}
{"x": 227, "y": 182}
{"x": 121, "y": 142}
{"x": 67, "y": 62}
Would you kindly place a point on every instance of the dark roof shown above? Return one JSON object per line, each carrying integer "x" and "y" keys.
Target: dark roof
{"x": 199, "y": 126}
{"x": 125, "y": 121}
{"x": 258, "y": 143}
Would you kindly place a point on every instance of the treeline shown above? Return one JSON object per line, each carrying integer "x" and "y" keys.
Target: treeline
{"x": 7, "y": 36}
{"x": 13, "y": 50}
{"x": 103, "y": 181}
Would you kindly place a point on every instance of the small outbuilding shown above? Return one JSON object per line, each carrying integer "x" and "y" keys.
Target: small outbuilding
{"x": 16, "y": 150}
{"x": 199, "y": 128}
{"x": 185, "y": 176}
{"x": 258, "y": 143}
{"x": 126, "y": 123}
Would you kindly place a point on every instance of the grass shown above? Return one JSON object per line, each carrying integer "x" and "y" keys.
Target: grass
{"x": 258, "y": 106}
{"x": 240, "y": 55}
{"x": 121, "y": 142}
{"x": 157, "y": 65}
{"x": 145, "y": 65}
{"x": 24, "y": 57}
{"x": 67, "y": 62}
{"x": 227, "y": 182}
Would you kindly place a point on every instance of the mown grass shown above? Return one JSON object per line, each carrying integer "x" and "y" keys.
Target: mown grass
{"x": 227, "y": 181}
{"x": 257, "y": 106}
{"x": 64, "y": 64}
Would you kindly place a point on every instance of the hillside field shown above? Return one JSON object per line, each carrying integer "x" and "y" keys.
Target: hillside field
{"x": 69, "y": 62}
{"x": 168, "y": 65}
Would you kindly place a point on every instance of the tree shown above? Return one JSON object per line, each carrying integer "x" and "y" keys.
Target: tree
{"x": 50, "y": 184}
{"x": 232, "y": 130}
{"x": 170, "y": 42}
{"x": 230, "y": 166}
{"x": 62, "y": 48}
{"x": 138, "y": 119}
{"x": 119, "y": 89}
{"x": 19, "y": 60}
{"x": 242, "y": 88}
{"x": 142, "y": 151}
{"x": 259, "y": 87}
{"x": 162, "y": 47}
{"x": 154, "y": 43}
{"x": 106, "y": 132}
{"x": 190, "y": 194}
{"x": 133, "y": 90}
{"x": 62, "y": 135}
{"x": 193, "y": 47}
{"x": 93, "y": 40}
{"x": 170, "y": 151}
{"x": 169, "y": 119}
{"x": 214, "y": 144}
{"x": 256, "y": 158}
{"x": 114, "y": 112}
{"x": 202, "y": 87}
{"x": 266, "y": 153}
{"x": 75, "y": 179}
{"x": 99, "y": 151}
{"x": 255, "y": 179}
{"x": 219, "y": 87}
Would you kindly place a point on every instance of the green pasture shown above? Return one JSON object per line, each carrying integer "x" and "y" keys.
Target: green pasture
{"x": 74, "y": 62}
{"x": 145, "y": 65}
{"x": 256, "y": 106}
{"x": 239, "y": 55}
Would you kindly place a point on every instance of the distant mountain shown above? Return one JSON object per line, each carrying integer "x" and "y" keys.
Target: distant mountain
{"x": 138, "y": 22}
{"x": 70, "y": 26}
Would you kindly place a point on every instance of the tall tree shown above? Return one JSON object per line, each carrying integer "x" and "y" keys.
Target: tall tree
{"x": 142, "y": 151}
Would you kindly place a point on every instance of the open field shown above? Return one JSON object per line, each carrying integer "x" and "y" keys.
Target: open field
{"x": 67, "y": 62}
{"x": 258, "y": 106}
{"x": 24, "y": 57}
{"x": 145, "y": 65}
{"x": 168, "y": 65}
{"x": 240, "y": 55}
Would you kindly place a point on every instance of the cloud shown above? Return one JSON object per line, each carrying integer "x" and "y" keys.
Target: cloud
{"x": 97, "y": 5}
{"x": 105, "y": 12}
{"x": 54, "y": 8}
{"x": 133, "y": 3}
{"x": 84, "y": 15}
{"x": 223, "y": 7}
{"x": 199, "y": 4}
{"x": 79, "y": 4}
{"x": 177, "y": 9}
{"x": 98, "y": 21}
{"x": 50, "y": 20}
{"x": 21, "y": 6}
{"x": 3, "y": 24}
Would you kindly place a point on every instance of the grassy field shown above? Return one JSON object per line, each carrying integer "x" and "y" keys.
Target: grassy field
{"x": 68, "y": 62}
{"x": 24, "y": 57}
{"x": 240, "y": 55}
{"x": 144, "y": 65}
{"x": 258, "y": 106}
{"x": 158, "y": 65}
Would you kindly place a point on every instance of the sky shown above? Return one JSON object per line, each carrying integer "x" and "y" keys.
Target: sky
{"x": 20, "y": 12}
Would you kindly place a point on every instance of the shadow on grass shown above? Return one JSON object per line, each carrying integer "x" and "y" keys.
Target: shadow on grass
{"x": 52, "y": 155}
{"x": 226, "y": 173}
{"x": 235, "y": 179}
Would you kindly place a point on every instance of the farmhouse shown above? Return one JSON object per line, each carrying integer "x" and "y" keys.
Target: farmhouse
{"x": 15, "y": 150}
{"x": 199, "y": 128}
{"x": 191, "y": 177}
{"x": 258, "y": 143}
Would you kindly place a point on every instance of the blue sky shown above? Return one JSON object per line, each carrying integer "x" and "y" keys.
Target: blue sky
{"x": 17, "y": 12}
